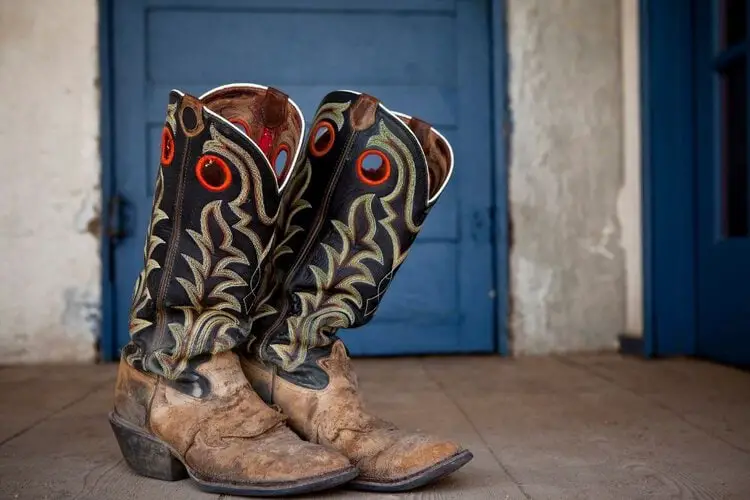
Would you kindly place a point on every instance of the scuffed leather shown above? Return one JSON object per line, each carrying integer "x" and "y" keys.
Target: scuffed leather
{"x": 133, "y": 393}
{"x": 336, "y": 417}
{"x": 231, "y": 435}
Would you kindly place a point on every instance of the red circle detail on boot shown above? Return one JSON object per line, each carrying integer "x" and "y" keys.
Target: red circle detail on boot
{"x": 321, "y": 139}
{"x": 377, "y": 169}
{"x": 167, "y": 147}
{"x": 213, "y": 173}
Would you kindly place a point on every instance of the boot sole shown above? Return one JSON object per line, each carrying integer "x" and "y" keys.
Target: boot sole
{"x": 433, "y": 473}
{"x": 150, "y": 457}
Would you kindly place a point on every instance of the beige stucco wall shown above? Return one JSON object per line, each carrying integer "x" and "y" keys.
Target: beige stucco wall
{"x": 567, "y": 269}
{"x": 49, "y": 261}
{"x": 629, "y": 202}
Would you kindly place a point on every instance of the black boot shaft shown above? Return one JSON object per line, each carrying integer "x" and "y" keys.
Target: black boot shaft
{"x": 213, "y": 225}
{"x": 351, "y": 212}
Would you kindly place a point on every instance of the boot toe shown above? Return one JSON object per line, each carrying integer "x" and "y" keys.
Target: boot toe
{"x": 304, "y": 460}
{"x": 276, "y": 459}
{"x": 408, "y": 456}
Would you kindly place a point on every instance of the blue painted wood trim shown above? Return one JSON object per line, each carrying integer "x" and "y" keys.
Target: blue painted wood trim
{"x": 731, "y": 54}
{"x": 668, "y": 168}
{"x": 475, "y": 278}
{"x": 649, "y": 322}
{"x": 501, "y": 155}
{"x": 107, "y": 341}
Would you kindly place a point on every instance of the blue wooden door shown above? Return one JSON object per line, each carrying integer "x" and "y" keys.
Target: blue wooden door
{"x": 723, "y": 183}
{"x": 427, "y": 58}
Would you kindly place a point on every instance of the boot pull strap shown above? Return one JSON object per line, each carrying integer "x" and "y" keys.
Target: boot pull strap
{"x": 274, "y": 108}
{"x": 274, "y": 111}
{"x": 363, "y": 112}
{"x": 190, "y": 116}
{"x": 273, "y": 114}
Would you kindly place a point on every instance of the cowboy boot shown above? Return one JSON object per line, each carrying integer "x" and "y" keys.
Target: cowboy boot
{"x": 354, "y": 205}
{"x": 182, "y": 405}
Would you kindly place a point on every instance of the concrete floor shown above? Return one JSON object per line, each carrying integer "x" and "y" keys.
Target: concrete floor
{"x": 584, "y": 427}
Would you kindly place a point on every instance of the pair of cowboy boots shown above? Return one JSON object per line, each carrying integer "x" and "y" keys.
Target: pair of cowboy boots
{"x": 234, "y": 375}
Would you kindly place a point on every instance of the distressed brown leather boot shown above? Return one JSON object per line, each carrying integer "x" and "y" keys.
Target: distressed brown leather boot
{"x": 182, "y": 406}
{"x": 352, "y": 210}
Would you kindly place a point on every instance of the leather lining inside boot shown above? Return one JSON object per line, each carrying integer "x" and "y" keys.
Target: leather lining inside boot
{"x": 436, "y": 150}
{"x": 266, "y": 116}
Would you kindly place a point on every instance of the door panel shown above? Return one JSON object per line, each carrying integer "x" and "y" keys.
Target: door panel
{"x": 425, "y": 58}
{"x": 723, "y": 184}
{"x": 333, "y": 43}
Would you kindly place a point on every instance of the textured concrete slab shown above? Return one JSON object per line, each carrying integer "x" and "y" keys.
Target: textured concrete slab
{"x": 579, "y": 427}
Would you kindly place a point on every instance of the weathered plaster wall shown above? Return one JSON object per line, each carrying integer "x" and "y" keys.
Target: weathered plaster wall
{"x": 629, "y": 202}
{"x": 567, "y": 262}
{"x": 49, "y": 195}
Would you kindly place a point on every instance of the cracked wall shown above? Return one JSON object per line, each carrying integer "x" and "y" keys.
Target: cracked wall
{"x": 49, "y": 222}
{"x": 567, "y": 269}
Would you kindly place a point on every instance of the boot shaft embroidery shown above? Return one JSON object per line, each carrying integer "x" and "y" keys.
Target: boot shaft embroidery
{"x": 212, "y": 228}
{"x": 354, "y": 206}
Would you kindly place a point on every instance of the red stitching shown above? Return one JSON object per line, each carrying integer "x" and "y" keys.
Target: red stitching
{"x": 167, "y": 147}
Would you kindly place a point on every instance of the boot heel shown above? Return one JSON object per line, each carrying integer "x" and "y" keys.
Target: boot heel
{"x": 145, "y": 455}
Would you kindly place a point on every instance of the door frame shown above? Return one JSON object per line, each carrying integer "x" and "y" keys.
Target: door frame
{"x": 502, "y": 131}
{"x": 501, "y": 124}
{"x": 669, "y": 200}
{"x": 107, "y": 343}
